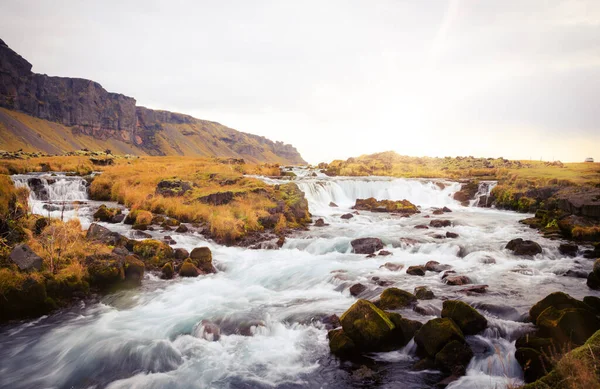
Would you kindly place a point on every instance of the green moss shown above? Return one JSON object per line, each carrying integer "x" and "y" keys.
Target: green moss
{"x": 153, "y": 252}
{"x": 558, "y": 300}
{"x": 367, "y": 326}
{"x": 394, "y": 298}
{"x": 468, "y": 319}
{"x": 435, "y": 334}
{"x": 188, "y": 269}
{"x": 340, "y": 344}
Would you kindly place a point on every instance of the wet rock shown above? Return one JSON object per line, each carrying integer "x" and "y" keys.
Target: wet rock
{"x": 106, "y": 214}
{"x": 423, "y": 293}
{"x": 593, "y": 279}
{"x": 392, "y": 266}
{"x": 153, "y": 252}
{"x": 117, "y": 218}
{"x": 569, "y": 249}
{"x": 209, "y": 331}
{"x": 167, "y": 271}
{"x": 576, "y": 273}
{"x": 182, "y": 229}
{"x": 25, "y": 258}
{"x": 446, "y": 209}
{"x": 188, "y": 269}
{"x": 366, "y": 245}
{"x": 134, "y": 269}
{"x": 467, "y": 318}
{"x": 122, "y": 251}
{"x": 466, "y": 193}
{"x": 438, "y": 212}
{"x": 454, "y": 358}
{"x": 435, "y": 335}
{"x": 320, "y": 223}
{"x": 524, "y": 247}
{"x": 202, "y": 258}
{"x": 332, "y": 204}
{"x": 439, "y": 223}
{"x": 451, "y": 235}
{"x": 340, "y": 344}
{"x": 535, "y": 364}
{"x": 98, "y": 233}
{"x": 447, "y": 273}
{"x": 181, "y": 254}
{"x": 475, "y": 289}
{"x": 416, "y": 270}
{"x": 141, "y": 235}
{"x": 439, "y": 236}
{"x": 367, "y": 326}
{"x": 280, "y": 241}
{"x": 557, "y": 300}
{"x": 173, "y": 188}
{"x": 457, "y": 280}
{"x": 331, "y": 321}
{"x": 347, "y": 216}
{"x": 404, "y": 330}
{"x": 105, "y": 270}
{"x": 384, "y": 253}
{"x": 487, "y": 260}
{"x": 570, "y": 325}
{"x": 357, "y": 289}
{"x": 371, "y": 256}
{"x": 219, "y": 198}
{"x": 394, "y": 298}
{"x": 593, "y": 302}
{"x": 373, "y": 205}
{"x": 435, "y": 266}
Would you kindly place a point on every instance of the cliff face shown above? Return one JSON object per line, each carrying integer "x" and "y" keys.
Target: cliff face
{"x": 84, "y": 109}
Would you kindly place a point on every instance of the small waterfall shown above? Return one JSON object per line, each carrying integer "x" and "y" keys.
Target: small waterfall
{"x": 482, "y": 197}
{"x": 344, "y": 192}
{"x": 56, "y": 195}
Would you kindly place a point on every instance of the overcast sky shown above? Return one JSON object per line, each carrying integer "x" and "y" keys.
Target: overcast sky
{"x": 518, "y": 79}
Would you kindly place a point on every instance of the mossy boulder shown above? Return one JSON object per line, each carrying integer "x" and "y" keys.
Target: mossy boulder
{"x": 593, "y": 302}
{"x": 368, "y": 326}
{"x": 593, "y": 281}
{"x": 170, "y": 222}
{"x": 569, "y": 325}
{"x": 374, "y": 205}
{"x": 106, "y": 214}
{"x": 435, "y": 334}
{"x": 66, "y": 286}
{"x": 405, "y": 329}
{"x": 454, "y": 358}
{"x": 558, "y": 300}
{"x": 153, "y": 252}
{"x": 524, "y": 247}
{"x": 467, "y": 318}
{"x": 167, "y": 271}
{"x": 188, "y": 269}
{"x": 105, "y": 270}
{"x": 535, "y": 364}
{"x": 181, "y": 254}
{"x": 173, "y": 187}
{"x": 340, "y": 344}
{"x": 423, "y": 293}
{"x": 394, "y": 298}
{"x": 134, "y": 269}
{"x": 201, "y": 257}
{"x": 22, "y": 295}
{"x": 417, "y": 270}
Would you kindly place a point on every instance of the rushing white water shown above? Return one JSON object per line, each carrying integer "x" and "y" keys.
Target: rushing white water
{"x": 482, "y": 196}
{"x": 269, "y": 303}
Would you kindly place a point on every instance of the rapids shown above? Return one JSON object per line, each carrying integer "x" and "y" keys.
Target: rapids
{"x": 153, "y": 337}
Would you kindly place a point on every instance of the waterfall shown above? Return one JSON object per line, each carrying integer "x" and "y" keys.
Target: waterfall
{"x": 483, "y": 194}
{"x": 344, "y": 192}
{"x": 57, "y": 195}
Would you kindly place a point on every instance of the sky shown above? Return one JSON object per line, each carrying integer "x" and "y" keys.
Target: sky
{"x": 341, "y": 78}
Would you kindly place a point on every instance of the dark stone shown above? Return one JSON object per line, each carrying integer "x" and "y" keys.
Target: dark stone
{"x": 320, "y": 223}
{"x": 219, "y": 198}
{"x": 357, "y": 289}
{"x": 394, "y": 298}
{"x": 384, "y": 253}
{"x": 182, "y": 229}
{"x": 451, "y": 235}
{"x": 436, "y": 267}
{"x": 439, "y": 223}
{"x": 181, "y": 254}
{"x": 423, "y": 293}
{"x": 467, "y": 318}
{"x": 188, "y": 269}
{"x": 332, "y": 204}
{"x": 421, "y": 227}
{"x": 454, "y": 358}
{"x": 347, "y": 216}
{"x": 25, "y": 258}
{"x": 569, "y": 249}
{"x": 173, "y": 188}
{"x": 167, "y": 271}
{"x": 416, "y": 270}
{"x": 366, "y": 245}
{"x": 435, "y": 335}
{"x": 457, "y": 280}
{"x": 202, "y": 258}
{"x": 524, "y": 247}
{"x": 392, "y": 266}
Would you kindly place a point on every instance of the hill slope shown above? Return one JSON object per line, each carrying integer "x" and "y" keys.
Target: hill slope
{"x": 59, "y": 114}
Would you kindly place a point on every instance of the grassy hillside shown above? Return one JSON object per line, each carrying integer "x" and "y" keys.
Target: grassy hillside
{"x": 199, "y": 138}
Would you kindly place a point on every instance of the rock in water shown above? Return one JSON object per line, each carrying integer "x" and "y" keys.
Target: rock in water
{"x": 423, "y": 293}
{"x": 373, "y": 205}
{"x": 25, "y": 258}
{"x": 439, "y": 223}
{"x": 367, "y": 326}
{"x": 416, "y": 270}
{"x": 467, "y": 318}
{"x": 188, "y": 270}
{"x": 394, "y": 298}
{"x": 357, "y": 289}
{"x": 437, "y": 333}
{"x": 366, "y": 245}
{"x": 201, "y": 257}
{"x": 524, "y": 247}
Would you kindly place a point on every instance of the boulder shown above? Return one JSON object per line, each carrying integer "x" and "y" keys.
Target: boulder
{"x": 405, "y": 329}
{"x": 451, "y": 235}
{"x": 421, "y": 227}
{"x": 394, "y": 298}
{"x": 182, "y": 229}
{"x": 40, "y": 224}
{"x": 466, "y": 193}
{"x": 423, "y": 293}
{"x": 524, "y": 247}
{"x": 340, "y": 344}
{"x": 384, "y": 253}
{"x": 373, "y": 205}
{"x": 134, "y": 269}
{"x": 593, "y": 302}
{"x": 167, "y": 271}
{"x": 569, "y": 325}
{"x": 435, "y": 335}
{"x": 347, "y": 216}
{"x": 454, "y": 358}
{"x": 467, "y": 318}
{"x": 106, "y": 214}
{"x": 320, "y": 223}
{"x": 201, "y": 257}
{"x": 357, "y": 289}
{"x": 181, "y": 254}
{"x": 332, "y": 204}
{"x": 457, "y": 280}
{"x": 473, "y": 290}
{"x": 173, "y": 188}
{"x": 569, "y": 249}
{"x": 105, "y": 270}
{"x": 369, "y": 327}
{"x": 103, "y": 235}
{"x": 559, "y": 301}
{"x": 366, "y": 245}
{"x": 219, "y": 198}
{"x": 416, "y": 270}
{"x": 153, "y": 252}
{"x": 535, "y": 364}
{"x": 188, "y": 269}
{"x": 392, "y": 266}
{"x": 435, "y": 266}
{"x": 439, "y": 223}
{"x": 25, "y": 258}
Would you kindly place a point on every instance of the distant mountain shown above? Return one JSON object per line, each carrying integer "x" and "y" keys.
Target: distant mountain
{"x": 59, "y": 114}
